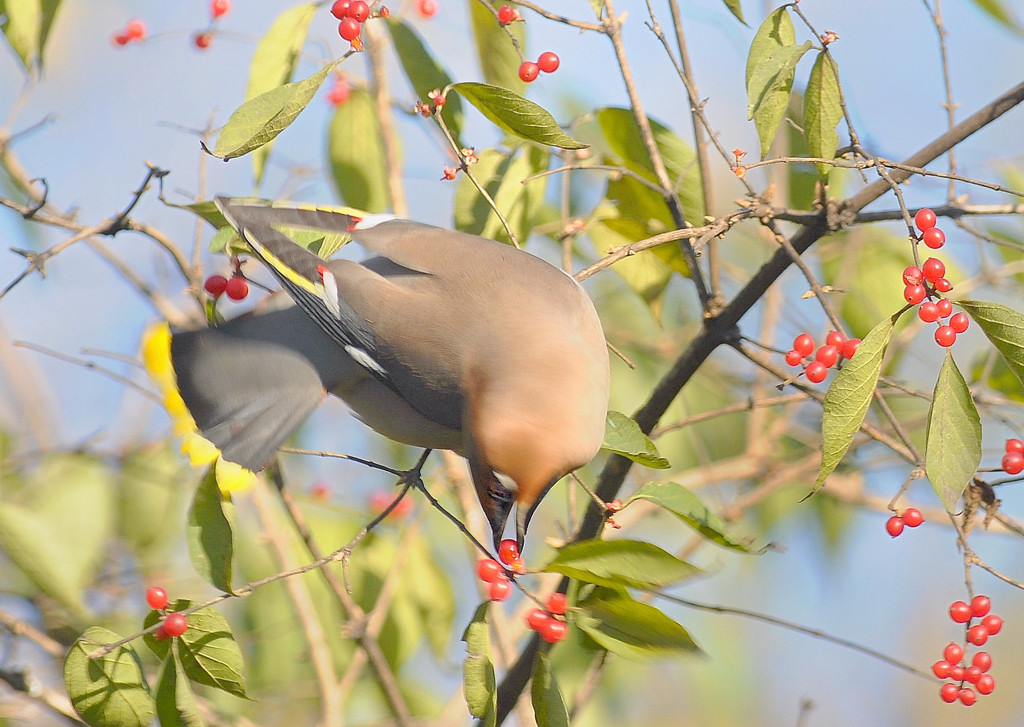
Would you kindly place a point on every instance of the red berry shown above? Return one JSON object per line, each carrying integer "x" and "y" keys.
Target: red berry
{"x": 135, "y": 30}
{"x": 339, "y": 92}
{"x": 828, "y": 355}
{"x": 941, "y": 669}
{"x": 508, "y": 551}
{"x": 986, "y": 684}
{"x": 506, "y": 14}
{"x": 349, "y": 29}
{"x": 500, "y": 590}
{"x": 529, "y": 71}
{"x": 156, "y": 597}
{"x": 556, "y": 604}
{"x": 816, "y": 372}
{"x": 934, "y": 238}
{"x": 928, "y": 312}
{"x": 835, "y": 338}
{"x": 943, "y": 286}
{"x": 945, "y": 336}
{"x": 548, "y": 61}
{"x": 980, "y": 606}
{"x": 977, "y": 635}
{"x": 953, "y": 653}
{"x": 982, "y": 660}
{"x": 972, "y": 674}
{"x": 237, "y": 288}
{"x": 1014, "y": 445}
{"x": 850, "y": 347}
{"x": 793, "y": 357}
{"x": 956, "y": 672}
{"x": 944, "y": 306}
{"x": 160, "y": 634}
{"x": 993, "y": 624}
{"x": 960, "y": 612}
{"x": 427, "y": 8}
{"x": 358, "y": 11}
{"x": 537, "y": 618}
{"x": 949, "y": 692}
{"x": 925, "y": 219}
{"x": 554, "y": 631}
{"x": 1013, "y": 463}
{"x": 933, "y": 269}
{"x": 967, "y": 697}
{"x": 202, "y": 40}
{"x": 912, "y": 517}
{"x": 914, "y": 294}
{"x": 912, "y": 275}
{"x": 219, "y": 8}
{"x": 215, "y": 285}
{"x": 121, "y": 39}
{"x": 489, "y": 570}
{"x": 959, "y": 322}
{"x": 894, "y": 526}
{"x": 175, "y": 624}
{"x": 804, "y": 344}
{"x": 340, "y": 8}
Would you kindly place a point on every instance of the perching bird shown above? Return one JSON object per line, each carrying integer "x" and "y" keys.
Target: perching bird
{"x": 441, "y": 339}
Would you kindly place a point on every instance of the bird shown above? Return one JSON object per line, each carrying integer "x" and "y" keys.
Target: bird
{"x": 438, "y": 339}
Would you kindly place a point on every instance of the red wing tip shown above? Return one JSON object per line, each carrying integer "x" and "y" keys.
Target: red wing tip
{"x": 353, "y": 223}
{"x": 321, "y": 270}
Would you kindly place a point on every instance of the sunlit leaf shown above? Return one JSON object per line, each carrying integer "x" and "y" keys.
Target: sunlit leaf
{"x": 734, "y": 7}
{"x": 478, "y": 669}
{"x": 822, "y": 111}
{"x": 1005, "y": 329}
{"x": 620, "y": 563}
{"x": 548, "y": 706}
{"x": 629, "y": 628}
{"x": 769, "y": 88}
{"x": 502, "y": 176}
{"x": 259, "y": 120}
{"x": 22, "y": 25}
{"x": 1001, "y": 11}
{"x": 210, "y": 537}
{"x": 687, "y": 507}
{"x": 774, "y": 32}
{"x": 517, "y": 115}
{"x": 356, "y": 152}
{"x": 110, "y": 691}
{"x": 849, "y": 396}
{"x": 954, "y": 435}
{"x": 623, "y": 436}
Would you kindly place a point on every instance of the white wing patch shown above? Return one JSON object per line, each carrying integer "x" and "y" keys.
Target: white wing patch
{"x": 365, "y": 360}
{"x": 373, "y": 220}
{"x": 330, "y": 294}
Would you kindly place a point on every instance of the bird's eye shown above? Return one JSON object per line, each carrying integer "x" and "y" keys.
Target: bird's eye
{"x": 499, "y": 493}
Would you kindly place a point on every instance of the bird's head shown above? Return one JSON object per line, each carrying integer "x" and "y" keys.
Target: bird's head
{"x": 498, "y": 493}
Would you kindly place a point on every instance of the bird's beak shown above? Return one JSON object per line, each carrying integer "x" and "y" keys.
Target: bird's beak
{"x": 496, "y": 500}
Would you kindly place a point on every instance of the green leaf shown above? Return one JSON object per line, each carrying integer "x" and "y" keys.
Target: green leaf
{"x": 356, "y": 152}
{"x": 208, "y": 651}
{"x": 769, "y": 88}
{"x": 516, "y": 115}
{"x": 150, "y": 488}
{"x": 495, "y": 52}
{"x": 425, "y": 74}
{"x": 39, "y": 551}
{"x": 502, "y": 176}
{"x": 259, "y": 120}
{"x": 618, "y": 563}
{"x": 478, "y": 669}
{"x": 1002, "y": 13}
{"x": 822, "y": 111}
{"x": 548, "y": 706}
{"x": 776, "y": 31}
{"x": 274, "y": 61}
{"x": 687, "y": 507}
{"x": 210, "y": 538}
{"x": 175, "y": 703}
{"x": 849, "y": 396}
{"x": 623, "y": 436}
{"x": 628, "y": 628}
{"x": 954, "y": 435}
{"x": 110, "y": 691}
{"x": 22, "y": 26}
{"x": 1004, "y": 328}
{"x": 645, "y": 273}
{"x": 733, "y": 6}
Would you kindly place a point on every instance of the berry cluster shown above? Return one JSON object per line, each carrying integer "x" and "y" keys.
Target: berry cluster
{"x": 544, "y": 621}
{"x": 911, "y": 518}
{"x": 1013, "y": 460}
{"x": 234, "y": 287}
{"x": 927, "y": 281}
{"x": 836, "y": 348}
{"x": 490, "y": 571}
{"x": 174, "y": 624}
{"x": 508, "y": 14}
{"x": 352, "y": 14}
{"x": 134, "y": 30}
{"x": 953, "y": 665}
{"x": 547, "y": 62}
